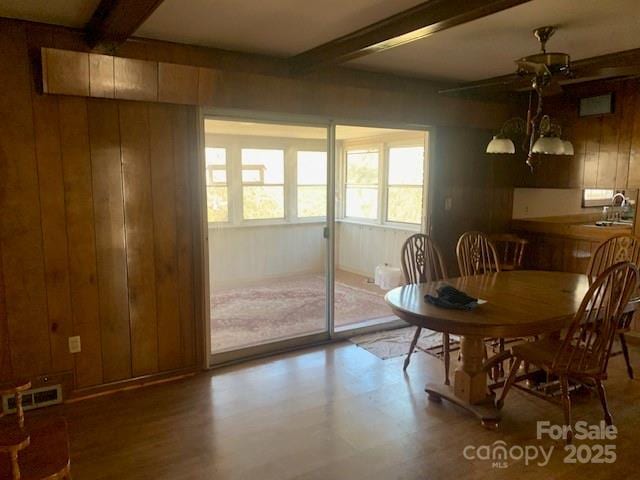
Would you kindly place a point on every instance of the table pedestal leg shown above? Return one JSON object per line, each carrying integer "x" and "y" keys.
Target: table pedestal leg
{"x": 470, "y": 384}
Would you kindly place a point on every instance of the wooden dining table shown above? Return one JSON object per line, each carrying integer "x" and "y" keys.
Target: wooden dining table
{"x": 518, "y": 304}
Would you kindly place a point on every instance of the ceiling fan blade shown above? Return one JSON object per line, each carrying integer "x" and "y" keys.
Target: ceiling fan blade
{"x": 594, "y": 71}
{"x": 498, "y": 83}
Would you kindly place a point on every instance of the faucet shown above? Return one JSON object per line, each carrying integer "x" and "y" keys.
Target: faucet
{"x": 624, "y": 202}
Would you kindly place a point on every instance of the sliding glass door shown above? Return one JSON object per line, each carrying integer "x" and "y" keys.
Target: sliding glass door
{"x": 266, "y": 190}
{"x": 380, "y": 202}
{"x": 304, "y": 229}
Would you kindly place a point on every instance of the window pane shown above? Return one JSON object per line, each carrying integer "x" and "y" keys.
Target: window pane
{"x": 269, "y": 165}
{"x": 312, "y": 201}
{"x": 216, "y": 165}
{"x": 405, "y": 204}
{"x": 312, "y": 168}
{"x": 406, "y": 165}
{"x": 251, "y": 175}
{"x": 260, "y": 202}
{"x": 362, "y": 202}
{"x": 217, "y": 204}
{"x": 362, "y": 167}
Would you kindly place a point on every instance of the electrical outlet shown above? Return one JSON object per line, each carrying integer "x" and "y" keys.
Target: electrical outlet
{"x": 448, "y": 202}
{"x": 74, "y": 345}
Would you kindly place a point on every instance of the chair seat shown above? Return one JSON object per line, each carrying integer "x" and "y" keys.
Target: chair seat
{"x": 47, "y": 455}
{"x": 543, "y": 353}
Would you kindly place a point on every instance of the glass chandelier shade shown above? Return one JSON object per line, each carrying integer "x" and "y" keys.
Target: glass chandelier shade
{"x": 501, "y": 145}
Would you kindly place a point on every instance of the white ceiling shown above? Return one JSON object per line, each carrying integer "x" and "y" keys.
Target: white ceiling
{"x": 72, "y": 13}
{"x": 487, "y": 47}
{"x": 475, "y": 50}
{"x": 275, "y": 27}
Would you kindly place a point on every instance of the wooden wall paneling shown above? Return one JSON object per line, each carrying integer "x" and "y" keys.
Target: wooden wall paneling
{"x": 208, "y": 84}
{"x": 185, "y": 163}
{"x": 20, "y": 227}
{"x": 76, "y": 161}
{"x": 6, "y": 370}
{"x": 135, "y": 79}
{"x": 608, "y": 151}
{"x": 108, "y": 205}
{"x": 65, "y": 72}
{"x": 593, "y": 130}
{"x": 165, "y": 237}
{"x": 177, "y": 83}
{"x": 101, "y": 76}
{"x": 54, "y": 232}
{"x": 634, "y": 150}
{"x": 626, "y": 116}
{"x": 138, "y": 208}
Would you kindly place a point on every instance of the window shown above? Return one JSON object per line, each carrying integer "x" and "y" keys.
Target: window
{"x": 404, "y": 184}
{"x": 216, "y": 182}
{"x": 311, "y": 168}
{"x": 596, "y": 197}
{"x": 262, "y": 183}
{"x": 362, "y": 184}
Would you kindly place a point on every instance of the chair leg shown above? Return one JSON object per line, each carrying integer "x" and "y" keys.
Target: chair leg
{"x": 412, "y": 348}
{"x": 508, "y": 384}
{"x": 625, "y": 352}
{"x": 445, "y": 343}
{"x": 566, "y": 406}
{"x": 603, "y": 400}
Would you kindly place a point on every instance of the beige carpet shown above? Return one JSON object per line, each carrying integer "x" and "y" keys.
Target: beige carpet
{"x": 394, "y": 343}
{"x": 286, "y": 308}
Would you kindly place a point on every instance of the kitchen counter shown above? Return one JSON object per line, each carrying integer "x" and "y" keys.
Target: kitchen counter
{"x": 577, "y": 227}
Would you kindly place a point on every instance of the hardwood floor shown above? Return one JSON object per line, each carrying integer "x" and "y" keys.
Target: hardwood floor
{"x": 334, "y": 412}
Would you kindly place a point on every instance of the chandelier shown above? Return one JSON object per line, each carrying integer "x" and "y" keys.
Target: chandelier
{"x": 542, "y": 136}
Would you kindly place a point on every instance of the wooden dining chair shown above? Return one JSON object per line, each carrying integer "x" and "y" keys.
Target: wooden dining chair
{"x": 510, "y": 249}
{"x": 476, "y": 254}
{"x": 421, "y": 262}
{"x": 32, "y": 451}
{"x": 583, "y": 354}
{"x": 618, "y": 248}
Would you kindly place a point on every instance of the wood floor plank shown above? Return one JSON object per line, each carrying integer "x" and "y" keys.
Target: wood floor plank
{"x": 165, "y": 237}
{"x": 333, "y": 412}
{"x": 20, "y": 227}
{"x": 108, "y": 204}
{"x": 138, "y": 212}
{"x": 81, "y": 236}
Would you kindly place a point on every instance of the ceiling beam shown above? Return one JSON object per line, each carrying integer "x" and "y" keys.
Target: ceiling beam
{"x": 116, "y": 20}
{"x": 405, "y": 27}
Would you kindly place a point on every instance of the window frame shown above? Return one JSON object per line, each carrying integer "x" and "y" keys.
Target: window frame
{"x": 226, "y": 184}
{"x": 419, "y": 138}
{"x": 363, "y": 145}
{"x": 244, "y": 184}
{"x": 296, "y": 186}
{"x": 404, "y": 144}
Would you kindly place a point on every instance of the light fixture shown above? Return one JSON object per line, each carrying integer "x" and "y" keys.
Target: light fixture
{"x": 543, "y": 135}
{"x": 568, "y": 147}
{"x": 501, "y": 145}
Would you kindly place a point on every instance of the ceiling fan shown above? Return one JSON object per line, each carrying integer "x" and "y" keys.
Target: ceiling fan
{"x": 548, "y": 71}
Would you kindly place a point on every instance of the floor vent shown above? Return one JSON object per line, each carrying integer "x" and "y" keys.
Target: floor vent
{"x": 34, "y": 398}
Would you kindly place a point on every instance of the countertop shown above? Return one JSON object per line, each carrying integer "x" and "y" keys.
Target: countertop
{"x": 579, "y": 227}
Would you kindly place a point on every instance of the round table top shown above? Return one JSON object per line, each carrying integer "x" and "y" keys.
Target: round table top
{"x": 519, "y": 303}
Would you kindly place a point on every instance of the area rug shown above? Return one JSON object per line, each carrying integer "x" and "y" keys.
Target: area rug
{"x": 394, "y": 343}
{"x": 286, "y": 308}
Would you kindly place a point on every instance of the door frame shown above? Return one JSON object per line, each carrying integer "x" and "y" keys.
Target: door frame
{"x": 224, "y": 358}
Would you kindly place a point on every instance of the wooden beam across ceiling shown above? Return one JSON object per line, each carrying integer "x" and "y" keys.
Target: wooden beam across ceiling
{"x": 116, "y": 20}
{"x": 405, "y": 27}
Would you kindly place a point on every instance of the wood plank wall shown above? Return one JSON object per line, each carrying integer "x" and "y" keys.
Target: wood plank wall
{"x": 607, "y": 147}
{"x": 479, "y": 185}
{"x": 97, "y": 225}
{"x": 98, "y": 196}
